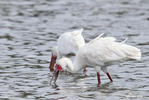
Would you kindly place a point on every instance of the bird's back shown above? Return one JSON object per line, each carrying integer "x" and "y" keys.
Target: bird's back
{"x": 70, "y": 42}
{"x": 106, "y": 49}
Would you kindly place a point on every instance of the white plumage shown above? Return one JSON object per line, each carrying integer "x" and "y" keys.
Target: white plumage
{"x": 67, "y": 43}
{"x": 98, "y": 53}
{"x": 108, "y": 50}
{"x": 70, "y": 42}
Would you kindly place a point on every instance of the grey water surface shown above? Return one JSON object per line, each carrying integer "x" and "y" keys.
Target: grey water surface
{"x": 30, "y": 28}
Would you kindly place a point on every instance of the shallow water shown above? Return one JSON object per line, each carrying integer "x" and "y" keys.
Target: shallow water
{"x": 29, "y": 29}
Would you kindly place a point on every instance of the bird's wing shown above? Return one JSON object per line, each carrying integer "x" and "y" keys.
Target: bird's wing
{"x": 70, "y": 42}
{"x": 64, "y": 44}
{"x": 102, "y": 50}
{"x": 107, "y": 50}
{"x": 78, "y": 41}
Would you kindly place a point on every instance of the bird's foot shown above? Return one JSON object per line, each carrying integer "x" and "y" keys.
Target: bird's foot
{"x": 84, "y": 72}
{"x": 111, "y": 81}
{"x": 98, "y": 85}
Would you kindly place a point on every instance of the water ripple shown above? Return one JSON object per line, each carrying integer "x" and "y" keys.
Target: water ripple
{"x": 30, "y": 28}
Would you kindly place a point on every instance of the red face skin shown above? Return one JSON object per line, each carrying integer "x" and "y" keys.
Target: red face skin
{"x": 58, "y": 67}
{"x": 53, "y": 60}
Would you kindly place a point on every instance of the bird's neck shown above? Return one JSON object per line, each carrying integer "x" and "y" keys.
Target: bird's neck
{"x": 75, "y": 66}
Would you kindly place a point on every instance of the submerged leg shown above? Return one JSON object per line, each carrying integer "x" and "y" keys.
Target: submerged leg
{"x": 97, "y": 69}
{"x": 98, "y": 78}
{"x": 84, "y": 71}
{"x": 109, "y": 77}
{"x": 104, "y": 69}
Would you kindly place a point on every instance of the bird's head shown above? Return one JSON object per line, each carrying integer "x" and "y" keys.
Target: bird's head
{"x": 62, "y": 64}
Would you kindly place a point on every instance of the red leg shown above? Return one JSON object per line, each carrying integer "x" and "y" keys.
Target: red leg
{"x": 98, "y": 78}
{"x": 109, "y": 77}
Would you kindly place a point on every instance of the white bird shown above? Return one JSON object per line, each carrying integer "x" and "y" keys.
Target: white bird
{"x": 67, "y": 43}
{"x": 98, "y": 53}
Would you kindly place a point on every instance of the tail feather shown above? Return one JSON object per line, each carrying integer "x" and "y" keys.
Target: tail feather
{"x": 131, "y": 52}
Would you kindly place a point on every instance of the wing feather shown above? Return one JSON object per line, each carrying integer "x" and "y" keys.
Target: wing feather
{"x": 70, "y": 42}
{"x": 106, "y": 50}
